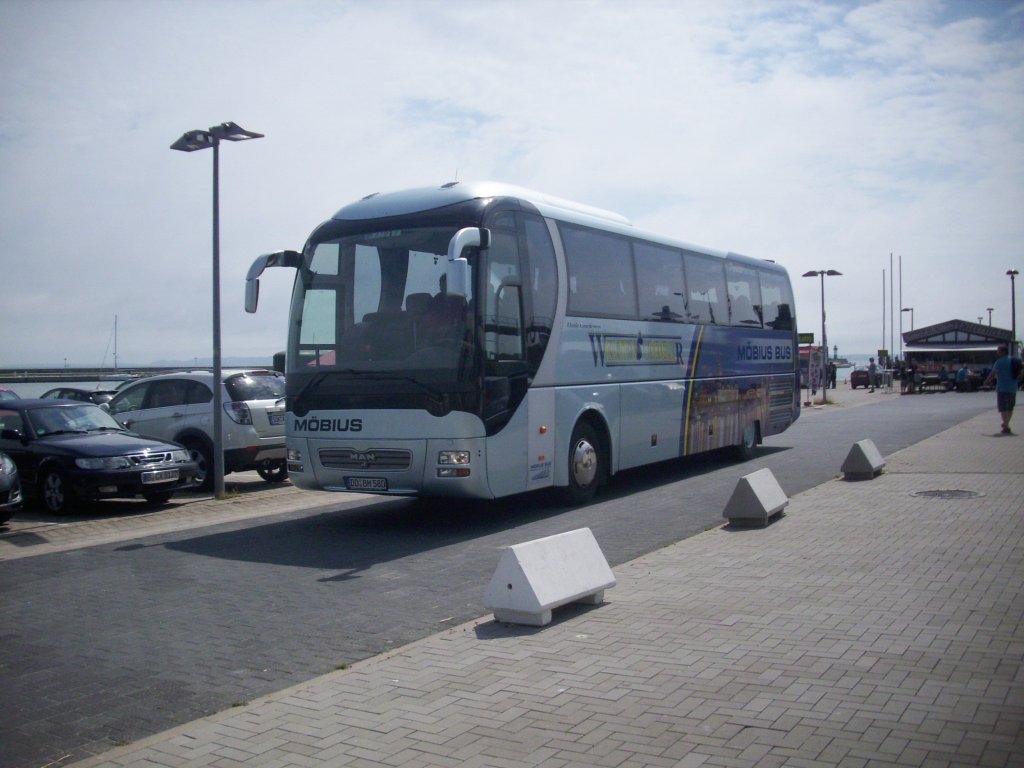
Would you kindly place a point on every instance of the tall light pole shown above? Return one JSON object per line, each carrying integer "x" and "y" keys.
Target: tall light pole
{"x": 190, "y": 142}
{"x": 1013, "y": 308}
{"x": 824, "y": 338}
{"x": 911, "y": 311}
{"x": 989, "y": 310}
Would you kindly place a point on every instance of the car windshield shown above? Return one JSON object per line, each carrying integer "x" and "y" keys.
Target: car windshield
{"x": 64, "y": 419}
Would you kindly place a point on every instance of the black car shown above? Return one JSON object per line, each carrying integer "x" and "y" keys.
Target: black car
{"x": 10, "y": 488}
{"x": 84, "y": 395}
{"x": 67, "y": 451}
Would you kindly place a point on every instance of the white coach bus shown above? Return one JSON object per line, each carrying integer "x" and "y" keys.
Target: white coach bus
{"x": 480, "y": 340}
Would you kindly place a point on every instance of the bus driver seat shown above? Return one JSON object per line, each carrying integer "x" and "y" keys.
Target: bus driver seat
{"x": 444, "y": 321}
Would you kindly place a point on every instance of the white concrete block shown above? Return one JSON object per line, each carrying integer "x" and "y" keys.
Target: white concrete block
{"x": 535, "y": 577}
{"x": 756, "y": 498}
{"x": 863, "y": 462}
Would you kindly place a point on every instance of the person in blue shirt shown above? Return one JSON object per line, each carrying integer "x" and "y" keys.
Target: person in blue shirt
{"x": 961, "y": 379}
{"x": 1006, "y": 371}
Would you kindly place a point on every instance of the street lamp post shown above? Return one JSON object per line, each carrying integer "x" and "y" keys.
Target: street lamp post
{"x": 911, "y": 311}
{"x": 1013, "y": 308}
{"x": 824, "y": 338}
{"x": 989, "y": 310}
{"x": 190, "y": 142}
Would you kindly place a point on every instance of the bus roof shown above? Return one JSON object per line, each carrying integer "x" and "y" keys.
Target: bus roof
{"x": 385, "y": 204}
{"x": 380, "y": 205}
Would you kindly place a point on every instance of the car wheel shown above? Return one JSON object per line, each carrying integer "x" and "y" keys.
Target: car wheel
{"x": 158, "y": 498}
{"x": 55, "y": 493}
{"x": 586, "y": 465}
{"x": 273, "y": 470}
{"x": 203, "y": 457}
{"x": 747, "y": 448}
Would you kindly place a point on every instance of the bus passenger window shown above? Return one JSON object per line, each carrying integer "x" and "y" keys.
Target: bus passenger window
{"x": 601, "y": 278}
{"x": 744, "y": 295}
{"x": 705, "y": 282}
{"x": 660, "y": 283}
{"x": 778, "y": 301}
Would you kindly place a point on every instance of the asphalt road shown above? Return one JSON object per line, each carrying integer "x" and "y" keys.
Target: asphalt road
{"x": 104, "y": 645}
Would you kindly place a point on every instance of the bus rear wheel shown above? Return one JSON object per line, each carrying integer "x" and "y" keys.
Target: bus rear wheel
{"x": 747, "y": 448}
{"x": 586, "y": 465}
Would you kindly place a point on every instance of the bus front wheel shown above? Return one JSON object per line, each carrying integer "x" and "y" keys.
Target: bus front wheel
{"x": 586, "y": 463}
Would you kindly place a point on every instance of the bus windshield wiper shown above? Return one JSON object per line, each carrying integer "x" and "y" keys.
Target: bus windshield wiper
{"x": 298, "y": 405}
{"x": 398, "y": 377}
{"x": 381, "y": 376}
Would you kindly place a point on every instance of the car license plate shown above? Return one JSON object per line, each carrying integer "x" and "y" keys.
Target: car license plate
{"x": 366, "y": 483}
{"x": 160, "y": 476}
{"x": 276, "y": 419}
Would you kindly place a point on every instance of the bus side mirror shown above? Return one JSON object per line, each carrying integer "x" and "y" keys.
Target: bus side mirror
{"x": 457, "y": 273}
{"x": 252, "y": 283}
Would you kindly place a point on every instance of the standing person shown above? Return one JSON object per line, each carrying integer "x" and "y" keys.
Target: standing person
{"x": 872, "y": 372}
{"x": 1006, "y": 371}
{"x": 961, "y": 378}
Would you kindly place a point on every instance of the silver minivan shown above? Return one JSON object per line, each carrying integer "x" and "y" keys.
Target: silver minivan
{"x": 179, "y": 407}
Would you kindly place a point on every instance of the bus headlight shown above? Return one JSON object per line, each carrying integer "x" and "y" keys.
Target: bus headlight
{"x": 453, "y": 464}
{"x": 453, "y": 457}
{"x": 295, "y": 460}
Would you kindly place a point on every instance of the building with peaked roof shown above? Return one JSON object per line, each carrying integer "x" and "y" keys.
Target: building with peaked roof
{"x": 954, "y": 342}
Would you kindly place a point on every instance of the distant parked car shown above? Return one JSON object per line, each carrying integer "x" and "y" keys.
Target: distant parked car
{"x": 859, "y": 378}
{"x": 10, "y": 488}
{"x": 69, "y": 451}
{"x": 83, "y": 395}
{"x": 8, "y": 394}
{"x": 178, "y": 407}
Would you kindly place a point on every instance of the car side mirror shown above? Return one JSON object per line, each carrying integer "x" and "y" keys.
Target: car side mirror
{"x": 12, "y": 434}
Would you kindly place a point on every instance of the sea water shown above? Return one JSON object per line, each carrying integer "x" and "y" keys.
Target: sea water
{"x": 28, "y": 389}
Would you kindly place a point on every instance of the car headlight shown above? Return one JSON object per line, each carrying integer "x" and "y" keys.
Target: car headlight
{"x": 105, "y": 462}
{"x": 6, "y": 465}
{"x": 180, "y": 457}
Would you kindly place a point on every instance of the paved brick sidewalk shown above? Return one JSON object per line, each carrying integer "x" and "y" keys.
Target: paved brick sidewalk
{"x": 876, "y": 623}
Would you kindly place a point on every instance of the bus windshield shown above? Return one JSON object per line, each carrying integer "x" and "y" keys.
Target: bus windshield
{"x": 377, "y": 303}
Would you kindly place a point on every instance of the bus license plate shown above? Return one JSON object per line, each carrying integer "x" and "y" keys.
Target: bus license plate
{"x": 160, "y": 476}
{"x": 366, "y": 483}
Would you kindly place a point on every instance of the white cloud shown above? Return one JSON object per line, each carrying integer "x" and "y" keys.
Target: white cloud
{"x": 821, "y": 135}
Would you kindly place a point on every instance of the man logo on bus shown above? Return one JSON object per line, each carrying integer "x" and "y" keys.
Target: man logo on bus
{"x": 619, "y": 349}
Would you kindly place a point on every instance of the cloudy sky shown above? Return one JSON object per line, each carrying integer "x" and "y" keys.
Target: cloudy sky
{"x": 822, "y": 135}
